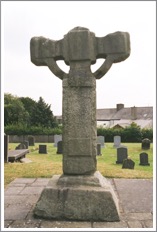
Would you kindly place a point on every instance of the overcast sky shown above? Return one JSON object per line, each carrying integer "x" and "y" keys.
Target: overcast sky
{"x": 131, "y": 82}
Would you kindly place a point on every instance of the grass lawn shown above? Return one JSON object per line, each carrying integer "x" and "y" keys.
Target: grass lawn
{"x": 46, "y": 165}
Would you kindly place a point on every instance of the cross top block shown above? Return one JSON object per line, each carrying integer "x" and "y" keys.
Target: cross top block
{"x": 80, "y": 44}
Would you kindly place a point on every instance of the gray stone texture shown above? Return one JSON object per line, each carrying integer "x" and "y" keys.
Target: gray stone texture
{"x": 122, "y": 153}
{"x": 144, "y": 159}
{"x": 101, "y": 140}
{"x": 117, "y": 141}
{"x": 18, "y": 211}
{"x": 80, "y": 202}
{"x": 145, "y": 144}
{"x": 79, "y": 49}
{"x": 57, "y": 138}
{"x": 128, "y": 164}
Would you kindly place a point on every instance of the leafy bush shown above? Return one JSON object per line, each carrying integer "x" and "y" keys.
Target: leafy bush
{"x": 132, "y": 133}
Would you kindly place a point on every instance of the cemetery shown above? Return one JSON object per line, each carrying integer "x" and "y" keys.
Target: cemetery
{"x": 79, "y": 162}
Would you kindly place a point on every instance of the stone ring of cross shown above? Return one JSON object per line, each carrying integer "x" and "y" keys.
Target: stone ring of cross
{"x": 78, "y": 45}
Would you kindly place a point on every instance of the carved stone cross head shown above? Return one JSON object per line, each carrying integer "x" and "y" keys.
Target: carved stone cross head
{"x": 79, "y": 49}
{"x": 80, "y": 45}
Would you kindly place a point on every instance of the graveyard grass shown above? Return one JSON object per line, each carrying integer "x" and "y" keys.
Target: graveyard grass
{"x": 47, "y": 165}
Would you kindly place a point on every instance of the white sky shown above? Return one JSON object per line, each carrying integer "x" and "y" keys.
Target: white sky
{"x": 131, "y": 82}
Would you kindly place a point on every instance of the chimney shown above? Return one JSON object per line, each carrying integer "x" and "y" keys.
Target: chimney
{"x": 120, "y": 106}
{"x": 133, "y": 113}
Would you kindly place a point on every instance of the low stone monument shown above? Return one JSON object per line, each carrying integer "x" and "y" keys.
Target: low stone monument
{"x": 144, "y": 159}
{"x": 145, "y": 144}
{"x": 31, "y": 140}
{"x": 60, "y": 147}
{"x": 117, "y": 141}
{"x": 57, "y": 138}
{"x": 128, "y": 163}
{"x": 101, "y": 140}
{"x": 122, "y": 153}
{"x": 99, "y": 149}
{"x": 42, "y": 149}
{"x": 81, "y": 192}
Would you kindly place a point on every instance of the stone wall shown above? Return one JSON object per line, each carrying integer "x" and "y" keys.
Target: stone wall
{"x": 38, "y": 138}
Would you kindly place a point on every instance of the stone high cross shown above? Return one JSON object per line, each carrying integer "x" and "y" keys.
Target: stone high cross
{"x": 81, "y": 193}
{"x": 79, "y": 49}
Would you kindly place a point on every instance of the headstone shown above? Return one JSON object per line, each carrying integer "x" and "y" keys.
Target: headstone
{"x": 31, "y": 140}
{"x": 6, "y": 141}
{"x": 42, "y": 149}
{"x": 20, "y": 146}
{"x": 60, "y": 147}
{"x": 26, "y": 143}
{"x": 117, "y": 141}
{"x": 57, "y": 138}
{"x": 99, "y": 149}
{"x": 101, "y": 140}
{"x": 144, "y": 159}
{"x": 128, "y": 163}
{"x": 122, "y": 153}
{"x": 69, "y": 196}
{"x": 145, "y": 144}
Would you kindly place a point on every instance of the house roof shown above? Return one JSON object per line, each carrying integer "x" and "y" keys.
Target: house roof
{"x": 144, "y": 113}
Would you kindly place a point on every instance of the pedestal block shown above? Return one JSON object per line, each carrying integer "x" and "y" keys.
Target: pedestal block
{"x": 85, "y": 198}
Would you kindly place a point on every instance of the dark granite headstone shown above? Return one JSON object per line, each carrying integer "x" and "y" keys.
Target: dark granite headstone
{"x": 31, "y": 140}
{"x": 42, "y": 149}
{"x": 122, "y": 153}
{"x": 128, "y": 164}
{"x": 60, "y": 147}
{"x": 146, "y": 144}
{"x": 144, "y": 159}
{"x": 99, "y": 149}
{"x": 6, "y": 141}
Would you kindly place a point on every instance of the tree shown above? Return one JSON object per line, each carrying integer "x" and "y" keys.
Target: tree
{"x": 42, "y": 115}
{"x": 14, "y": 111}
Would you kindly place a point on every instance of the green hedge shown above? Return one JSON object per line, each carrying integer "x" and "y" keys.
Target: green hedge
{"x": 34, "y": 130}
{"x": 132, "y": 133}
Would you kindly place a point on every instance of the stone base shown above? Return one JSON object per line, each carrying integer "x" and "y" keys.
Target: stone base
{"x": 84, "y": 198}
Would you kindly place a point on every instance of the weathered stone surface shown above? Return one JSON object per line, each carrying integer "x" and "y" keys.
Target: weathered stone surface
{"x": 79, "y": 49}
{"x": 128, "y": 163}
{"x": 78, "y": 202}
{"x": 144, "y": 159}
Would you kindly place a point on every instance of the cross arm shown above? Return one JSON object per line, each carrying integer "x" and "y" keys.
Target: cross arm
{"x": 113, "y": 48}
{"x": 45, "y": 52}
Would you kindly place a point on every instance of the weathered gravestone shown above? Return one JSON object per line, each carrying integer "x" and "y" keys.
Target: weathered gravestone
{"x": 117, "y": 141}
{"x": 128, "y": 163}
{"x": 57, "y": 138}
{"x": 20, "y": 146}
{"x": 99, "y": 149}
{"x": 144, "y": 159}
{"x": 122, "y": 153}
{"x": 145, "y": 144}
{"x": 31, "y": 140}
{"x": 81, "y": 193}
{"x": 6, "y": 141}
{"x": 26, "y": 144}
{"x": 60, "y": 147}
{"x": 101, "y": 140}
{"x": 42, "y": 149}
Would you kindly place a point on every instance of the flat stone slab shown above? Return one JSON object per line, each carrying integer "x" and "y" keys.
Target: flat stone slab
{"x": 135, "y": 195}
{"x": 14, "y": 155}
{"x": 19, "y": 205}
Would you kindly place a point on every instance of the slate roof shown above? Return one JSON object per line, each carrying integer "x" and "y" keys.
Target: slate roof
{"x": 141, "y": 113}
